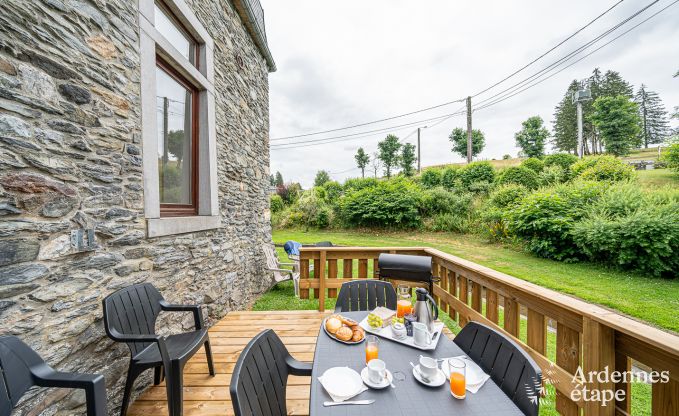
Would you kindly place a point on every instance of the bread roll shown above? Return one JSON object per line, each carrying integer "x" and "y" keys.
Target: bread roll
{"x": 347, "y": 321}
{"x": 358, "y": 333}
{"x": 332, "y": 325}
{"x": 344, "y": 333}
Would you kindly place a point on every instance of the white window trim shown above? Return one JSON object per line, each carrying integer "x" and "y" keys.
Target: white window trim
{"x": 152, "y": 43}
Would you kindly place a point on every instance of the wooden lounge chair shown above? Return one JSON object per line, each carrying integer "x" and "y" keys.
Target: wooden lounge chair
{"x": 22, "y": 368}
{"x": 281, "y": 274}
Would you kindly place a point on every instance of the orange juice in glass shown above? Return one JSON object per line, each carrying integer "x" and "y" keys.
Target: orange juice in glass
{"x": 404, "y": 305}
{"x": 458, "y": 385}
{"x": 371, "y": 348}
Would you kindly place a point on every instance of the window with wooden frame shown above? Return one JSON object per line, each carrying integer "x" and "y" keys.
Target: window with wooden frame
{"x": 177, "y": 103}
{"x": 171, "y": 28}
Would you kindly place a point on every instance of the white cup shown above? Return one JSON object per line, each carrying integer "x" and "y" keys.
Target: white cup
{"x": 429, "y": 367}
{"x": 377, "y": 371}
{"x": 421, "y": 335}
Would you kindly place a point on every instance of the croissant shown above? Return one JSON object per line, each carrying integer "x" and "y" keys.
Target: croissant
{"x": 347, "y": 321}
{"x": 358, "y": 333}
{"x": 344, "y": 333}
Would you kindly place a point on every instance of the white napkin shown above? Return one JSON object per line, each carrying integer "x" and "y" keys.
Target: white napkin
{"x": 341, "y": 398}
{"x": 472, "y": 368}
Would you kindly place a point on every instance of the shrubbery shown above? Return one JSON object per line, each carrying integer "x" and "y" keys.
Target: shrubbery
{"x": 449, "y": 177}
{"x": 357, "y": 184}
{"x": 431, "y": 178}
{"x": 276, "y": 203}
{"x": 476, "y": 172}
{"x": 603, "y": 168}
{"x": 440, "y": 201}
{"x": 563, "y": 160}
{"x": 534, "y": 164}
{"x": 671, "y": 156}
{"x": 392, "y": 203}
{"x": 520, "y": 175}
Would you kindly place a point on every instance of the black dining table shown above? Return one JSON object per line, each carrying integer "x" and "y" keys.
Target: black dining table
{"x": 410, "y": 397}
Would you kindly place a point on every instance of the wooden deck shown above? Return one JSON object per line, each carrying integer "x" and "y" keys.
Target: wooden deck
{"x": 206, "y": 396}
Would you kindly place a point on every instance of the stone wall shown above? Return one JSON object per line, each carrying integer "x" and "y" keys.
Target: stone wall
{"x": 70, "y": 158}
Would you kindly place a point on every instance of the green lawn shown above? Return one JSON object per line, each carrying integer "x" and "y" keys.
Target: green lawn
{"x": 650, "y": 299}
{"x": 657, "y": 178}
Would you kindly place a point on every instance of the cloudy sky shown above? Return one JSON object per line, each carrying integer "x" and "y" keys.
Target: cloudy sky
{"x": 348, "y": 62}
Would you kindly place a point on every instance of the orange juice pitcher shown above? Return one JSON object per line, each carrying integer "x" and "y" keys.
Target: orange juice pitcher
{"x": 404, "y": 304}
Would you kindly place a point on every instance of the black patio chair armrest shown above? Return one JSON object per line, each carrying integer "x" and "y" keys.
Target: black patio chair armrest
{"x": 196, "y": 309}
{"x": 298, "y": 368}
{"x": 93, "y": 384}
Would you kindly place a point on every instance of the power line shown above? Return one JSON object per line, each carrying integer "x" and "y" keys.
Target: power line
{"x": 370, "y": 122}
{"x": 550, "y": 50}
{"x": 363, "y": 133}
{"x": 507, "y": 96}
{"x": 568, "y": 56}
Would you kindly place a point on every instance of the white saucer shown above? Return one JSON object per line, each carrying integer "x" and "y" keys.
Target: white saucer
{"x": 438, "y": 380}
{"x": 385, "y": 383}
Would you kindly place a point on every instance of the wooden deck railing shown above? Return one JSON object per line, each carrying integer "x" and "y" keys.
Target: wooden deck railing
{"x": 588, "y": 336}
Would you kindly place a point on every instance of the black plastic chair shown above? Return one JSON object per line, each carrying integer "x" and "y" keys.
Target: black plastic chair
{"x": 509, "y": 366}
{"x": 22, "y": 368}
{"x": 130, "y": 316}
{"x": 365, "y": 295}
{"x": 261, "y": 375}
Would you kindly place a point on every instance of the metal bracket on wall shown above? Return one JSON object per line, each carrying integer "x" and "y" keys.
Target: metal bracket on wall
{"x": 83, "y": 239}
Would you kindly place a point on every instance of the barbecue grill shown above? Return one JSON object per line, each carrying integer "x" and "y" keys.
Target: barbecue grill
{"x": 406, "y": 267}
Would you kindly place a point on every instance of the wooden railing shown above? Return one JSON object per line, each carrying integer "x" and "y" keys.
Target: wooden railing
{"x": 587, "y": 336}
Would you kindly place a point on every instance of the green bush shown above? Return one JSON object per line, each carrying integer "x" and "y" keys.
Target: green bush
{"x": 546, "y": 218}
{"x": 440, "y": 201}
{"x": 507, "y": 195}
{"x": 481, "y": 188}
{"x": 449, "y": 177}
{"x": 553, "y": 175}
{"x": 276, "y": 203}
{"x": 448, "y": 222}
{"x": 477, "y": 172}
{"x": 392, "y": 203}
{"x": 563, "y": 160}
{"x": 313, "y": 207}
{"x": 521, "y": 176}
{"x": 356, "y": 184}
{"x": 431, "y": 178}
{"x": 671, "y": 156}
{"x": 333, "y": 191}
{"x": 603, "y": 168}
{"x": 533, "y": 163}
{"x": 506, "y": 157}
{"x": 287, "y": 218}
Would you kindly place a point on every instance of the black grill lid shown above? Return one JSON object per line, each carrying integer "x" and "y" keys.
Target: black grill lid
{"x": 404, "y": 266}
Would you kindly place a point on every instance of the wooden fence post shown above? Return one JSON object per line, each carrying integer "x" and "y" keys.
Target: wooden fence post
{"x": 321, "y": 282}
{"x": 665, "y": 399}
{"x": 332, "y": 274}
{"x": 598, "y": 353}
{"x": 568, "y": 358}
{"x": 304, "y": 276}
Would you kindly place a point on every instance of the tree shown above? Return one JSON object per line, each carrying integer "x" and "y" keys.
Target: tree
{"x": 613, "y": 85}
{"x": 565, "y": 125}
{"x": 175, "y": 145}
{"x": 459, "y": 139}
{"x": 408, "y": 159}
{"x": 617, "y": 120}
{"x": 321, "y": 178}
{"x": 655, "y": 127}
{"x": 362, "y": 160}
{"x": 388, "y": 153}
{"x": 279, "y": 179}
{"x": 376, "y": 163}
{"x": 531, "y": 139}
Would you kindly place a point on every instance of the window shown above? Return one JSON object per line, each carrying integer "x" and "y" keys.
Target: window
{"x": 178, "y": 120}
{"x": 177, "y": 142}
{"x": 172, "y": 30}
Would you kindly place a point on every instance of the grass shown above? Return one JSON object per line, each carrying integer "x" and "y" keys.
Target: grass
{"x": 648, "y": 299}
{"x": 658, "y": 178}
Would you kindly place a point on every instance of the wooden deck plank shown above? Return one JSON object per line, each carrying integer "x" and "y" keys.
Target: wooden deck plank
{"x": 205, "y": 395}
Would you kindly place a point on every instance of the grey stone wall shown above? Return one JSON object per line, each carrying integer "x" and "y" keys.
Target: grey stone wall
{"x": 70, "y": 158}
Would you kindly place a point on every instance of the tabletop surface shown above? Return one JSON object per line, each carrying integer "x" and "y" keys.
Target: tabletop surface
{"x": 409, "y": 397}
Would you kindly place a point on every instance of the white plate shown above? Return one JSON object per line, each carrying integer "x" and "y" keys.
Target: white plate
{"x": 342, "y": 381}
{"x": 386, "y": 333}
{"x": 385, "y": 383}
{"x": 438, "y": 380}
{"x": 472, "y": 375}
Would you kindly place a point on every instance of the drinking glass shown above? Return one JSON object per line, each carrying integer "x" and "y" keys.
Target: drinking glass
{"x": 371, "y": 348}
{"x": 458, "y": 385}
{"x": 404, "y": 305}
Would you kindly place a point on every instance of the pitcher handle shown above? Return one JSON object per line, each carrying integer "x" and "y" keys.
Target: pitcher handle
{"x": 436, "y": 308}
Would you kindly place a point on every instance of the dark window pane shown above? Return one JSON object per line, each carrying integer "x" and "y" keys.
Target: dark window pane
{"x": 174, "y": 115}
{"x": 168, "y": 27}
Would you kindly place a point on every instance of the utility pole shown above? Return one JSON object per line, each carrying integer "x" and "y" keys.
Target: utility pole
{"x": 469, "y": 129}
{"x": 579, "y": 97}
{"x": 419, "y": 153}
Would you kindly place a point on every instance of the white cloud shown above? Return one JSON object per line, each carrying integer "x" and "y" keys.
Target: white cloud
{"x": 343, "y": 63}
